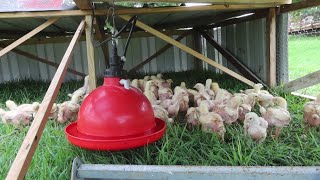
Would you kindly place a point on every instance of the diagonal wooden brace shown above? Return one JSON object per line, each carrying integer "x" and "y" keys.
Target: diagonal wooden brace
{"x": 189, "y": 50}
{"x": 27, "y": 36}
{"x": 23, "y": 159}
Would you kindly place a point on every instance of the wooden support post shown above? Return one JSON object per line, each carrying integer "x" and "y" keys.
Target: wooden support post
{"x": 271, "y": 47}
{"x": 303, "y": 82}
{"x": 90, "y": 55}
{"x": 23, "y": 159}
{"x": 189, "y": 51}
{"x": 162, "y": 50}
{"x": 197, "y": 46}
{"x": 231, "y": 59}
{"x": 36, "y": 58}
{"x": 27, "y": 36}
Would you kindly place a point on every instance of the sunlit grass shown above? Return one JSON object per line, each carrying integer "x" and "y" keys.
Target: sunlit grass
{"x": 179, "y": 146}
{"x": 304, "y": 58}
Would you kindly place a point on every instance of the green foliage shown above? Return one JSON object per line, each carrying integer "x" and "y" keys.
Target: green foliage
{"x": 297, "y": 16}
{"x": 179, "y": 146}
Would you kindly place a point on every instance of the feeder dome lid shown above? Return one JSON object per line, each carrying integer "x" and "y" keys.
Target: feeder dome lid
{"x": 112, "y": 117}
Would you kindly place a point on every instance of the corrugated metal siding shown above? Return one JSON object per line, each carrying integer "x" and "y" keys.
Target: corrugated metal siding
{"x": 246, "y": 41}
{"x": 14, "y": 66}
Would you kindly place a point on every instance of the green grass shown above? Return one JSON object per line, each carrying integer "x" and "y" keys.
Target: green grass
{"x": 179, "y": 146}
{"x": 304, "y": 58}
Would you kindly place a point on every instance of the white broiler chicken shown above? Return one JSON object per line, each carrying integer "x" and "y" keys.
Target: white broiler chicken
{"x": 28, "y": 108}
{"x": 182, "y": 86}
{"x": 54, "y": 112}
{"x": 220, "y": 94}
{"x": 201, "y": 95}
{"x": 246, "y": 106}
{"x": 255, "y": 127}
{"x": 256, "y": 89}
{"x": 208, "y": 89}
{"x": 83, "y": 90}
{"x": 159, "y": 76}
{"x": 211, "y": 122}
{"x": 68, "y": 111}
{"x": 265, "y": 100}
{"x": 182, "y": 96}
{"x": 148, "y": 93}
{"x": 161, "y": 113}
{"x": 192, "y": 117}
{"x": 11, "y": 105}
{"x": 16, "y": 117}
{"x": 276, "y": 116}
{"x": 135, "y": 83}
{"x": 311, "y": 113}
{"x": 165, "y": 93}
{"x": 229, "y": 112}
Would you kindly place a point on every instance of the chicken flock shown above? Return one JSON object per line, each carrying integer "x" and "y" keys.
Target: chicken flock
{"x": 205, "y": 105}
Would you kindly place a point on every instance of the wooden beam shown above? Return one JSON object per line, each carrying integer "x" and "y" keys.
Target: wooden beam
{"x": 231, "y": 59}
{"x": 259, "y": 14}
{"x": 90, "y": 55}
{"x": 133, "y": 11}
{"x": 98, "y": 26}
{"x": 189, "y": 50}
{"x": 67, "y": 38}
{"x": 300, "y": 5}
{"x": 202, "y": 21}
{"x": 210, "y": 1}
{"x": 34, "y": 57}
{"x": 83, "y": 4}
{"x": 304, "y": 96}
{"x": 27, "y": 36}
{"x": 271, "y": 48}
{"x": 22, "y": 161}
{"x": 303, "y": 82}
{"x": 160, "y": 51}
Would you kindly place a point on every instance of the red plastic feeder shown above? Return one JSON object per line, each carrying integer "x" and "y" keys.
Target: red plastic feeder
{"x": 114, "y": 118}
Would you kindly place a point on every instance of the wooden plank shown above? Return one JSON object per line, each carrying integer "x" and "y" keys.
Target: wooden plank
{"x": 160, "y": 51}
{"x": 304, "y": 96}
{"x": 231, "y": 59}
{"x": 202, "y": 21}
{"x": 259, "y": 14}
{"x": 22, "y": 161}
{"x": 271, "y": 48}
{"x": 303, "y": 82}
{"x": 83, "y": 4}
{"x": 227, "y": 2}
{"x": 34, "y": 57}
{"x": 133, "y": 11}
{"x": 300, "y": 5}
{"x": 27, "y": 36}
{"x": 90, "y": 55}
{"x": 189, "y": 50}
{"x": 67, "y": 38}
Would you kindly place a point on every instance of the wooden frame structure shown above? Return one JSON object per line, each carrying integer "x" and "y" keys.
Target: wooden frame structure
{"x": 22, "y": 161}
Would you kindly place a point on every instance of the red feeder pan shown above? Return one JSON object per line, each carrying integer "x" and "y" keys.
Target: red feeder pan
{"x": 114, "y": 118}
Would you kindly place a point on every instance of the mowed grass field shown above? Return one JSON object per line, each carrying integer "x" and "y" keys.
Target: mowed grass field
{"x": 179, "y": 146}
{"x": 304, "y": 58}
